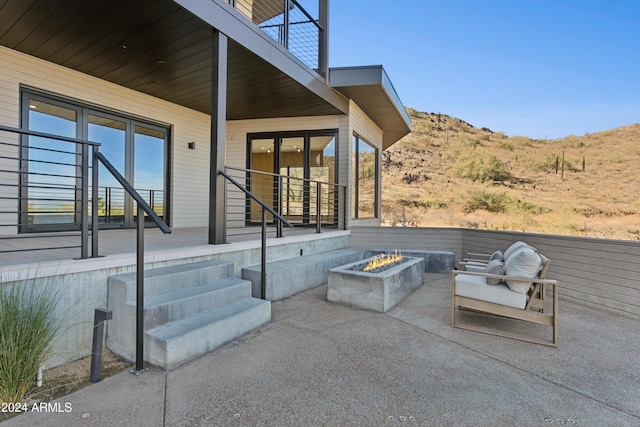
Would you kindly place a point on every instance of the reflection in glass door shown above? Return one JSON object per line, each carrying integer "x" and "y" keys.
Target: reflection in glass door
{"x": 111, "y": 133}
{"x": 148, "y": 171}
{"x": 49, "y": 191}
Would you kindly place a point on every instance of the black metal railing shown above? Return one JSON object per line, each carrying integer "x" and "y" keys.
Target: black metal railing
{"x": 264, "y": 208}
{"x": 143, "y": 208}
{"x": 47, "y": 186}
{"x": 303, "y": 202}
{"x": 112, "y": 203}
{"x": 50, "y": 182}
{"x": 44, "y": 187}
{"x": 291, "y": 26}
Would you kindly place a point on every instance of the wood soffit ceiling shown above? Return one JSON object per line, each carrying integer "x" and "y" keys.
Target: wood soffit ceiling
{"x": 155, "y": 47}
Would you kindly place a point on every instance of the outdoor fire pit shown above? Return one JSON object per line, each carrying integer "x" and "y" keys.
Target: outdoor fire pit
{"x": 378, "y": 289}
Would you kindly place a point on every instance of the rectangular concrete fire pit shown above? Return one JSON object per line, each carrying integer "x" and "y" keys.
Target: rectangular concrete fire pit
{"x": 374, "y": 291}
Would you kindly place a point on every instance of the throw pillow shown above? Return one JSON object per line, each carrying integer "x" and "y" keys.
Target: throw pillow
{"x": 514, "y": 247}
{"x": 495, "y": 267}
{"x": 524, "y": 262}
{"x": 497, "y": 255}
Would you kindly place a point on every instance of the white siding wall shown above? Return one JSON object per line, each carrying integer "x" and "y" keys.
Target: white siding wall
{"x": 361, "y": 124}
{"x": 190, "y": 168}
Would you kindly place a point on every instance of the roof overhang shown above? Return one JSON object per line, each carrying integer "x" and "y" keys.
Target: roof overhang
{"x": 372, "y": 90}
{"x": 163, "y": 48}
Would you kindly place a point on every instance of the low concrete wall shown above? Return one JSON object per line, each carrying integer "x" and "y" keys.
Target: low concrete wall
{"x": 601, "y": 273}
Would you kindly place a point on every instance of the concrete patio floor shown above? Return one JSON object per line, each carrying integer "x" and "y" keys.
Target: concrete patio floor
{"x": 322, "y": 364}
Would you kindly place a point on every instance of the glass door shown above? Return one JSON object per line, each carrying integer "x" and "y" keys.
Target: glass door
{"x": 50, "y": 195}
{"x": 262, "y": 185}
{"x": 322, "y": 168}
{"x": 148, "y": 167}
{"x": 50, "y": 190}
{"x": 295, "y": 185}
{"x": 299, "y": 159}
{"x": 112, "y": 203}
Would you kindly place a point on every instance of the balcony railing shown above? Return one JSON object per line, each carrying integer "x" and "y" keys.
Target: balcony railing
{"x": 47, "y": 184}
{"x": 302, "y": 202}
{"x": 290, "y": 25}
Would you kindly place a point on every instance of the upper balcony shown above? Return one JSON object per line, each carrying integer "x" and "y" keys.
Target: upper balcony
{"x": 292, "y": 26}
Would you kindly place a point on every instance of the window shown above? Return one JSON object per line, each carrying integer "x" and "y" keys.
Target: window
{"x": 364, "y": 188}
{"x": 137, "y": 149}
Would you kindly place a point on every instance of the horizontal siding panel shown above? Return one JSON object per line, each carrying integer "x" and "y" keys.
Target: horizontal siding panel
{"x": 600, "y": 272}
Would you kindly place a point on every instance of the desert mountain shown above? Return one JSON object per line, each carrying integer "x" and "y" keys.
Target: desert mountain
{"x": 449, "y": 173}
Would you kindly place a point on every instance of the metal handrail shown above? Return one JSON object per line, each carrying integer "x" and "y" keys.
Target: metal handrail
{"x": 82, "y": 158}
{"x": 142, "y": 204}
{"x": 255, "y": 199}
{"x": 309, "y": 180}
{"x": 334, "y": 191}
{"x": 143, "y": 207}
{"x": 265, "y": 208}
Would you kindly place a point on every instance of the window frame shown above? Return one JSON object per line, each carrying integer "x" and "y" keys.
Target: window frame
{"x": 355, "y": 210}
{"x": 84, "y": 110}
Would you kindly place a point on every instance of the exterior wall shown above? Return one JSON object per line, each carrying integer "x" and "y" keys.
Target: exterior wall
{"x": 361, "y": 124}
{"x": 601, "y": 273}
{"x": 189, "y": 168}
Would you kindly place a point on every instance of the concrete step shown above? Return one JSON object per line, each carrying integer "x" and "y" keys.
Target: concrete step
{"x": 184, "y": 311}
{"x": 185, "y": 302}
{"x": 164, "y": 279}
{"x": 290, "y": 276}
{"x": 177, "y": 342}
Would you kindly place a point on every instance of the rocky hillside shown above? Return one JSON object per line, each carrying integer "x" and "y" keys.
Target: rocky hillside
{"x": 447, "y": 172}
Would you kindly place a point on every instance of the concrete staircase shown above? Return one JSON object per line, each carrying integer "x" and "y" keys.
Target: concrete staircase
{"x": 190, "y": 309}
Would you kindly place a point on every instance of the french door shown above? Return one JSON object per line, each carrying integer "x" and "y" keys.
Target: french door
{"x": 138, "y": 150}
{"x": 286, "y": 169}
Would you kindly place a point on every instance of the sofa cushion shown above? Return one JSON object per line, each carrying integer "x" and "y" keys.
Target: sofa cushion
{"x": 514, "y": 247}
{"x": 495, "y": 267}
{"x": 524, "y": 262}
{"x": 476, "y": 287}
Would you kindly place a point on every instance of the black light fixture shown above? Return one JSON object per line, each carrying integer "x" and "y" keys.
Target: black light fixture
{"x": 191, "y": 145}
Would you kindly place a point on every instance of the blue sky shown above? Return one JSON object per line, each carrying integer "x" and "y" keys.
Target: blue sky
{"x": 537, "y": 68}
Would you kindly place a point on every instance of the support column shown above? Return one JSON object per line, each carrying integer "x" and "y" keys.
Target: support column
{"x": 323, "y": 50}
{"x": 217, "y": 211}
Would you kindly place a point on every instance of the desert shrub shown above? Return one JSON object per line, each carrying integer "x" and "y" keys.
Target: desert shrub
{"x": 27, "y": 327}
{"x": 424, "y": 204}
{"x": 498, "y": 202}
{"x": 530, "y": 208}
{"x": 545, "y": 163}
{"x": 479, "y": 167}
{"x": 472, "y": 142}
{"x": 506, "y": 145}
{"x": 489, "y": 201}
